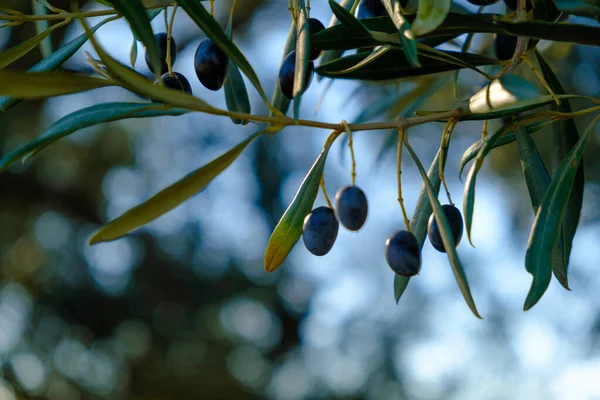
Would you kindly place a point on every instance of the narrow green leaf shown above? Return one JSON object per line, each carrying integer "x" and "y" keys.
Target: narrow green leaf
{"x": 289, "y": 229}
{"x": 133, "y": 53}
{"x": 430, "y": 15}
{"x": 507, "y": 138}
{"x": 447, "y": 238}
{"x": 213, "y": 30}
{"x": 420, "y": 219}
{"x": 333, "y": 54}
{"x": 374, "y": 55}
{"x": 135, "y": 13}
{"x": 302, "y": 57}
{"x": 469, "y": 196}
{"x": 54, "y": 61}
{"x": 405, "y": 33}
{"x": 546, "y": 226}
{"x": 236, "y": 94}
{"x": 41, "y": 26}
{"x": 538, "y": 181}
{"x": 392, "y": 65}
{"x": 138, "y": 83}
{"x": 11, "y": 55}
{"x": 565, "y": 138}
{"x": 84, "y": 118}
{"x": 346, "y": 18}
{"x": 35, "y": 85}
{"x": 170, "y": 197}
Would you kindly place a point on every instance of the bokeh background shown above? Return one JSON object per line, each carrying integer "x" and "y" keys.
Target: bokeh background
{"x": 183, "y": 309}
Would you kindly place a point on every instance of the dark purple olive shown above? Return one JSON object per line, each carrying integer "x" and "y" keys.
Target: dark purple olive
{"x": 403, "y": 253}
{"x": 352, "y": 207}
{"x": 161, "y": 40}
{"x": 211, "y": 64}
{"x": 504, "y": 46}
{"x": 176, "y": 81}
{"x": 372, "y": 9}
{"x": 455, "y": 221}
{"x": 287, "y": 72}
{"x": 512, "y": 4}
{"x": 315, "y": 26}
{"x": 320, "y": 230}
{"x": 483, "y": 2}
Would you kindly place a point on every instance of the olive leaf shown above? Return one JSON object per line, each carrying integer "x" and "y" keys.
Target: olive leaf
{"x": 41, "y": 26}
{"x": 302, "y": 57}
{"x": 445, "y": 232}
{"x": 405, "y": 33}
{"x": 546, "y": 226}
{"x": 420, "y": 219}
{"x": 170, "y": 197}
{"x": 11, "y": 55}
{"x": 135, "y": 13}
{"x": 54, "y": 60}
{"x": 565, "y": 137}
{"x": 35, "y": 85}
{"x": 89, "y": 116}
{"x": 289, "y": 228}
{"x": 538, "y": 181}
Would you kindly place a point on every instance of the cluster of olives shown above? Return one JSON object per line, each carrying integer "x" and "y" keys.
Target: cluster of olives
{"x": 287, "y": 71}
{"x": 402, "y": 250}
{"x": 321, "y": 226}
{"x": 210, "y": 62}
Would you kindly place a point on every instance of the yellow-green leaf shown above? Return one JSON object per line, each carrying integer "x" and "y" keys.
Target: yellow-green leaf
{"x": 35, "y": 85}
{"x": 11, "y": 55}
{"x": 289, "y": 229}
{"x": 170, "y": 197}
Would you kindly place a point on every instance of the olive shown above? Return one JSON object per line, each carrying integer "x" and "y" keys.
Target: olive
{"x": 315, "y": 26}
{"x": 176, "y": 81}
{"x": 211, "y": 64}
{"x": 504, "y": 46}
{"x": 372, "y": 9}
{"x": 403, "y": 253}
{"x": 287, "y": 72}
{"x": 161, "y": 40}
{"x": 320, "y": 230}
{"x": 455, "y": 221}
{"x": 352, "y": 207}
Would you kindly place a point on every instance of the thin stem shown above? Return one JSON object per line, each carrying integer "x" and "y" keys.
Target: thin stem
{"x": 212, "y": 7}
{"x": 443, "y": 151}
{"x": 522, "y": 41}
{"x": 169, "y": 33}
{"x": 541, "y": 78}
{"x": 325, "y": 193}
{"x": 401, "y": 135}
{"x": 484, "y": 131}
{"x": 351, "y": 146}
